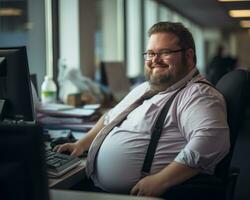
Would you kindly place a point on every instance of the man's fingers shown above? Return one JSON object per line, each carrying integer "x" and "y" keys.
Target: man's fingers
{"x": 140, "y": 193}
{"x": 134, "y": 190}
{"x": 55, "y": 148}
{"x": 74, "y": 152}
{"x": 62, "y": 148}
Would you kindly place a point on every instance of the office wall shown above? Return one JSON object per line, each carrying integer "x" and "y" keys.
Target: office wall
{"x": 112, "y": 30}
{"x": 134, "y": 38}
{"x": 242, "y": 48}
{"x": 77, "y": 23}
{"x": 213, "y": 39}
{"x": 32, "y": 35}
{"x": 87, "y": 30}
{"x": 36, "y": 39}
{"x": 69, "y": 32}
{"x": 11, "y": 39}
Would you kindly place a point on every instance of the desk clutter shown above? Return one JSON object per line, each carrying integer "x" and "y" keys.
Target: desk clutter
{"x": 58, "y": 164}
{"x": 61, "y": 123}
{"x": 61, "y": 116}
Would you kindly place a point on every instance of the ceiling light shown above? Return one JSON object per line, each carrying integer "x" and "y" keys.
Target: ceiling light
{"x": 245, "y": 23}
{"x": 239, "y": 13}
{"x": 10, "y": 12}
{"x": 232, "y": 0}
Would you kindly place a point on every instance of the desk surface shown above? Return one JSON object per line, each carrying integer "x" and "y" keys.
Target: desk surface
{"x": 69, "y": 195}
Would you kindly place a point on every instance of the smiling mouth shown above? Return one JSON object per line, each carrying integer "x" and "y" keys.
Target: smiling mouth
{"x": 159, "y": 66}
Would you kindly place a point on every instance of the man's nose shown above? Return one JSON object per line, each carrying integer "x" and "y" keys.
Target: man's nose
{"x": 156, "y": 57}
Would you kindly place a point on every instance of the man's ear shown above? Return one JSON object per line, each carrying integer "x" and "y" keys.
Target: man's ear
{"x": 189, "y": 55}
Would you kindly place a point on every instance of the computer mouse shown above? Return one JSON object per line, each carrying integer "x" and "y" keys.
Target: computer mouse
{"x": 60, "y": 140}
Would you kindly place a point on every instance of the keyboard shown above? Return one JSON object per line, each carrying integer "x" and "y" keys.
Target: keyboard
{"x": 58, "y": 164}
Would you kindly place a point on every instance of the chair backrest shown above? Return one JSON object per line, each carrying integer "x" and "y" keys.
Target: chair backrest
{"x": 235, "y": 87}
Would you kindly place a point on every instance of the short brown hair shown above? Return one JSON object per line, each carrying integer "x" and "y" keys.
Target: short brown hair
{"x": 186, "y": 39}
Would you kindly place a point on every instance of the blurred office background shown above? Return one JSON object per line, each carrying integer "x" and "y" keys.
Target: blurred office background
{"x": 84, "y": 33}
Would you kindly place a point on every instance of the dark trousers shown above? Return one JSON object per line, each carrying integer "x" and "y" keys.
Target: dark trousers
{"x": 205, "y": 187}
{"x": 87, "y": 185}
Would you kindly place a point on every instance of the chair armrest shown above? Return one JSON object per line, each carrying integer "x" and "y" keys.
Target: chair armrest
{"x": 202, "y": 186}
{"x": 231, "y": 182}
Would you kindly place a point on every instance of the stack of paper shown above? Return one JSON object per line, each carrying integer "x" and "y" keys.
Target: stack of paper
{"x": 66, "y": 110}
{"x": 60, "y": 116}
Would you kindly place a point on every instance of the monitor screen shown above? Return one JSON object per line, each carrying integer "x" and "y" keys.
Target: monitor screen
{"x": 22, "y": 165}
{"x": 15, "y": 86}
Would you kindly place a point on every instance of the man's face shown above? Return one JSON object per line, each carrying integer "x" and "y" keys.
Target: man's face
{"x": 167, "y": 69}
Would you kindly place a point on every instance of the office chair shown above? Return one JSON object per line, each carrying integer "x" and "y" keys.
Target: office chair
{"x": 235, "y": 87}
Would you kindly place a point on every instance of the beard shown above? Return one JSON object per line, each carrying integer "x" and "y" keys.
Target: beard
{"x": 157, "y": 79}
{"x": 165, "y": 78}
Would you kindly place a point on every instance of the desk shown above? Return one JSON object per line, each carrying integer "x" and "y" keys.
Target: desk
{"x": 69, "y": 179}
{"x": 73, "y": 195}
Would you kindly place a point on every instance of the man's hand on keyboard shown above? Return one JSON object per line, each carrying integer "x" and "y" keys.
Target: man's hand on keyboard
{"x": 74, "y": 148}
{"x": 58, "y": 164}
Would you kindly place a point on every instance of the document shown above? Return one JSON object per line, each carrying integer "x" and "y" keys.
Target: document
{"x": 55, "y": 109}
{"x": 72, "y": 127}
{"x": 92, "y": 106}
{"x": 76, "y": 112}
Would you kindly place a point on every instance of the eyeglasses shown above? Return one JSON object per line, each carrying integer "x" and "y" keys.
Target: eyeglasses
{"x": 163, "y": 54}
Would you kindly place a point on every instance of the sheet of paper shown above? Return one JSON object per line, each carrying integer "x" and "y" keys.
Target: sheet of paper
{"x": 91, "y": 106}
{"x": 55, "y": 107}
{"x": 76, "y": 112}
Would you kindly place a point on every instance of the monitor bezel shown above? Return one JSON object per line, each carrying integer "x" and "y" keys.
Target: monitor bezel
{"x": 20, "y": 92}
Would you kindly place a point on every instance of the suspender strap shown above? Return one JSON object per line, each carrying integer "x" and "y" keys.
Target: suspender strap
{"x": 155, "y": 136}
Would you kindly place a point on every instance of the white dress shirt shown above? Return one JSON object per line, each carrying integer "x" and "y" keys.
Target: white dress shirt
{"x": 195, "y": 134}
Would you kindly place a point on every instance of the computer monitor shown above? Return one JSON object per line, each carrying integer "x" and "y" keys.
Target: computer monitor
{"x": 22, "y": 165}
{"x": 113, "y": 76}
{"x": 15, "y": 86}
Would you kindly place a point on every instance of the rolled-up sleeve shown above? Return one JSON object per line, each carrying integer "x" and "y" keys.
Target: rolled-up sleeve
{"x": 202, "y": 120}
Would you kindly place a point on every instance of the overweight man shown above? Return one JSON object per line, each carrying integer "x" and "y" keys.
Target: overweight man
{"x": 195, "y": 134}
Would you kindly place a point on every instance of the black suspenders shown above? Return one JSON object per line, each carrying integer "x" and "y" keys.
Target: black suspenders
{"x": 155, "y": 136}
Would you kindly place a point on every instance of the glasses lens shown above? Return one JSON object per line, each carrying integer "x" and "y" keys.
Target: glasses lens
{"x": 148, "y": 56}
{"x": 145, "y": 56}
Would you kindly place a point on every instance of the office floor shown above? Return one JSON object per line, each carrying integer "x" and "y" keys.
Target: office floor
{"x": 241, "y": 159}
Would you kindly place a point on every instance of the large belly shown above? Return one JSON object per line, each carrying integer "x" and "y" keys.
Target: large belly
{"x": 119, "y": 161}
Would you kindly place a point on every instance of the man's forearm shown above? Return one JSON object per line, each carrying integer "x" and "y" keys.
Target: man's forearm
{"x": 176, "y": 173}
{"x": 159, "y": 183}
